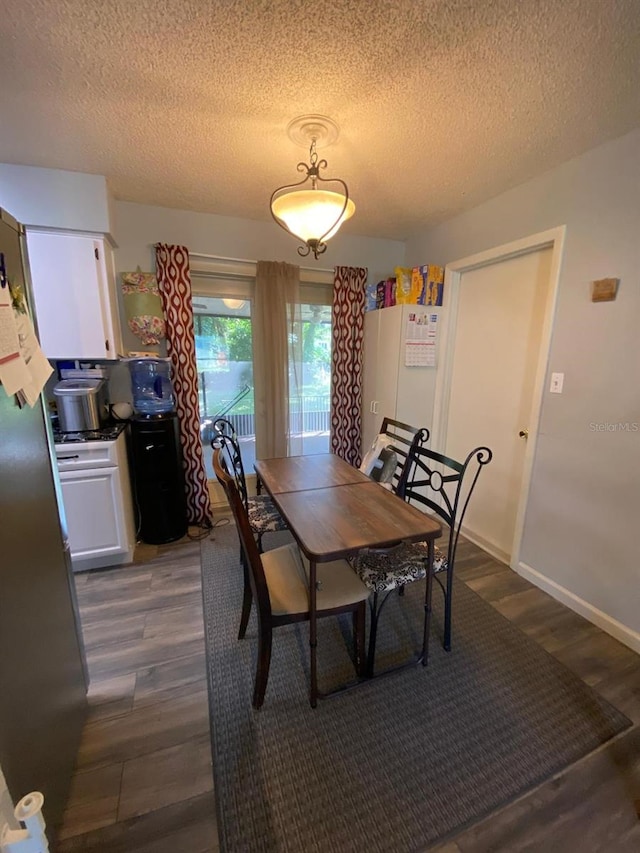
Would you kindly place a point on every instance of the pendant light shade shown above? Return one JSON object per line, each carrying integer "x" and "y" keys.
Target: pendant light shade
{"x": 309, "y": 213}
{"x": 307, "y": 210}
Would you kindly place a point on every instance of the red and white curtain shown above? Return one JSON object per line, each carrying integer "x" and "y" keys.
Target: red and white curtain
{"x": 347, "y": 317}
{"x": 174, "y": 282}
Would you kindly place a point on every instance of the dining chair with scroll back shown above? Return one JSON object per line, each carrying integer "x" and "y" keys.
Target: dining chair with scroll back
{"x": 279, "y": 581}
{"x": 395, "y": 440}
{"x": 261, "y": 511}
{"x": 444, "y": 487}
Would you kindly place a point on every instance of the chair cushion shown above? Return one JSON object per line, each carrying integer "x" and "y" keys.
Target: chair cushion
{"x": 382, "y": 571}
{"x": 263, "y": 515}
{"x": 287, "y": 573}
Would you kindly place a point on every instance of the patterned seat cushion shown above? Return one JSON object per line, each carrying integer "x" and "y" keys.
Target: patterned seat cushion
{"x": 382, "y": 572}
{"x": 263, "y": 515}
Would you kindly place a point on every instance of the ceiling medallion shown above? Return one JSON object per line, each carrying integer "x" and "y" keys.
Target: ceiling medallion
{"x": 311, "y": 213}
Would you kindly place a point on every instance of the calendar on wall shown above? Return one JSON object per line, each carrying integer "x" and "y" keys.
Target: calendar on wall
{"x": 421, "y": 338}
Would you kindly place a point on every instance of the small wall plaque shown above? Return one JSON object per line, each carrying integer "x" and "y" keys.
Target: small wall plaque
{"x": 604, "y": 290}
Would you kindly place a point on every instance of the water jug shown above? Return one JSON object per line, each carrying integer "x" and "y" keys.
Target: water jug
{"x": 151, "y": 385}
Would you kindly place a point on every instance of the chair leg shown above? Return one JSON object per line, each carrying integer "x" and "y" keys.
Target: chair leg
{"x": 428, "y": 595}
{"x": 259, "y": 542}
{"x": 373, "y": 632}
{"x": 247, "y": 600}
{"x": 447, "y": 611}
{"x": 262, "y": 668}
{"x": 359, "y": 622}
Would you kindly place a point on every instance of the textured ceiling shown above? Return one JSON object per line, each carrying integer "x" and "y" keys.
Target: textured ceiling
{"x": 441, "y": 103}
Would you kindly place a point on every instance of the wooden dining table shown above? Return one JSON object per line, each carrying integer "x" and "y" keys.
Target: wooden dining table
{"x": 334, "y": 511}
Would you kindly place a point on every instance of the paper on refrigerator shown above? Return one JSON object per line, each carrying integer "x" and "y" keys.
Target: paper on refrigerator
{"x": 13, "y": 369}
{"x": 23, "y": 367}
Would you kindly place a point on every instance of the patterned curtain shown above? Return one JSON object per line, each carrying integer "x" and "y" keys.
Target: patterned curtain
{"x": 347, "y": 317}
{"x": 174, "y": 281}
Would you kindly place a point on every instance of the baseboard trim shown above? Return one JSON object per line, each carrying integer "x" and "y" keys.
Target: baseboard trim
{"x": 598, "y": 617}
{"x": 487, "y": 546}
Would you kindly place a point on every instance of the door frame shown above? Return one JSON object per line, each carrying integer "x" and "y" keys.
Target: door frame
{"x": 553, "y": 239}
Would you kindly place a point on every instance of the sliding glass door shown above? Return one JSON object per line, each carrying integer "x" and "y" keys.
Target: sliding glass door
{"x": 310, "y": 383}
{"x": 225, "y": 358}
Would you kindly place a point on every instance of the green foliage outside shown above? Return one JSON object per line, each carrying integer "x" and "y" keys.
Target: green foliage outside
{"x": 223, "y": 342}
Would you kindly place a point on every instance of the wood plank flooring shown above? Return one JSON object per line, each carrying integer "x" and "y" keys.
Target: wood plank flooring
{"x": 144, "y": 781}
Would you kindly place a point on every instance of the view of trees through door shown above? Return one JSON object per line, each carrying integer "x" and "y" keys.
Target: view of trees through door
{"x": 224, "y": 358}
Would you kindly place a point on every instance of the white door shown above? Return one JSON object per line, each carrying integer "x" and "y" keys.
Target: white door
{"x": 500, "y": 319}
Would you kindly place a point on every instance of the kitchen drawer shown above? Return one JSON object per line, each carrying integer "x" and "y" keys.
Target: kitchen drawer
{"x": 88, "y": 454}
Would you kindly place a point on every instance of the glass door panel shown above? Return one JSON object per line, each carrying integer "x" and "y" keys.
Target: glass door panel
{"x": 225, "y": 372}
{"x": 309, "y": 408}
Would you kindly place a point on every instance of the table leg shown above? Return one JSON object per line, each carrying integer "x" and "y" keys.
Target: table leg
{"x": 313, "y": 636}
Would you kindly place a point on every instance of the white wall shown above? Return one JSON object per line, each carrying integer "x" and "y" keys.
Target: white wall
{"x": 138, "y": 227}
{"x": 584, "y": 502}
{"x": 54, "y": 198}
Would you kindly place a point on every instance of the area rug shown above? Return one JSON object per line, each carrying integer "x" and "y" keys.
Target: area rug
{"x": 402, "y": 762}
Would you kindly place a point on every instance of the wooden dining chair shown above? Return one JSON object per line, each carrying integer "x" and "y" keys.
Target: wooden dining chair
{"x": 280, "y": 585}
{"x": 444, "y": 486}
{"x": 263, "y": 515}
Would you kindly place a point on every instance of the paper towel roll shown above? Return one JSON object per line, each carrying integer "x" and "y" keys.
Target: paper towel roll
{"x": 29, "y": 812}
{"x": 31, "y": 839}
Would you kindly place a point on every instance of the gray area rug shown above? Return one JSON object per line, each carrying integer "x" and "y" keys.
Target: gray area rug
{"x": 396, "y": 764}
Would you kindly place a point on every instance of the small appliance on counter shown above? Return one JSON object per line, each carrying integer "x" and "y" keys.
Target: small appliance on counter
{"x": 82, "y": 404}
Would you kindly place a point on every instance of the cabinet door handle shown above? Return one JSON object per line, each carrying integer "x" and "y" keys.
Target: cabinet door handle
{"x": 106, "y": 345}
{"x": 96, "y": 253}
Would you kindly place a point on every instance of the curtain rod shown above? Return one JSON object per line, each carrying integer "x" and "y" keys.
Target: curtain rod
{"x": 246, "y": 261}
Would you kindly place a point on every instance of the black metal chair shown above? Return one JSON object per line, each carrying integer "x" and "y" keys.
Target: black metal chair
{"x": 279, "y": 580}
{"x": 401, "y": 438}
{"x": 444, "y": 486}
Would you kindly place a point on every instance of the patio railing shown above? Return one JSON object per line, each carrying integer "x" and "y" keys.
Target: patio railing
{"x": 311, "y": 414}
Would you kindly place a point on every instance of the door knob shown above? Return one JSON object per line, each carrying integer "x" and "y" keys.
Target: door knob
{"x": 524, "y": 433}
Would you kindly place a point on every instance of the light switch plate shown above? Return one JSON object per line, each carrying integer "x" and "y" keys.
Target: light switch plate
{"x": 557, "y": 381}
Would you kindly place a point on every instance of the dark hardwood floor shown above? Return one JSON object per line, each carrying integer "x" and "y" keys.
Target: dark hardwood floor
{"x": 144, "y": 781}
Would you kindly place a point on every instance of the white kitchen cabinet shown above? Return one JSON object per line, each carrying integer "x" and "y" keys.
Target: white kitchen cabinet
{"x": 390, "y": 388}
{"x": 74, "y": 292}
{"x": 96, "y": 495}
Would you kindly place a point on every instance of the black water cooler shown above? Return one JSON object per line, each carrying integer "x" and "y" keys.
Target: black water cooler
{"x": 158, "y": 478}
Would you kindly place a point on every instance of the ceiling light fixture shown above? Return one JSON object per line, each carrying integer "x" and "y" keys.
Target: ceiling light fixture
{"x": 312, "y": 214}
{"x": 234, "y": 303}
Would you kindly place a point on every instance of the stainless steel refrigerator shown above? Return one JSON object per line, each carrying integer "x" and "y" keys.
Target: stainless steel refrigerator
{"x": 42, "y": 671}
